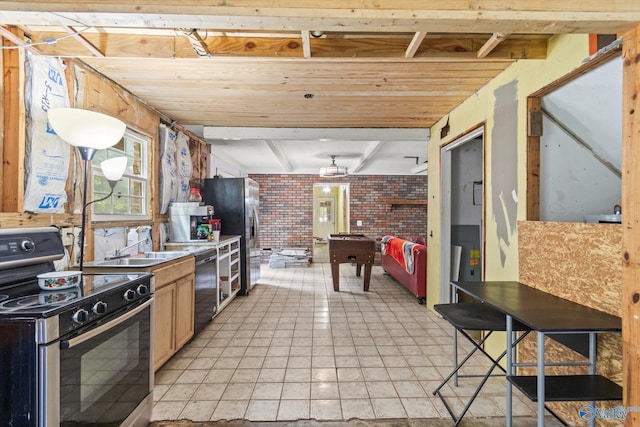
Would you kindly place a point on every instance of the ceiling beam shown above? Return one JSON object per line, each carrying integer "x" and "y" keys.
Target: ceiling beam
{"x": 337, "y": 134}
{"x": 485, "y": 16}
{"x": 280, "y": 154}
{"x": 372, "y": 150}
{"x": 491, "y": 44}
{"x": 415, "y": 44}
{"x": 453, "y": 46}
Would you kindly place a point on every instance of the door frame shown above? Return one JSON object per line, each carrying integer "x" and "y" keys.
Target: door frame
{"x": 445, "y": 209}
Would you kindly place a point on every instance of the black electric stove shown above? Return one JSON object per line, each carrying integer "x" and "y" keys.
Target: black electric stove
{"x": 25, "y": 253}
{"x": 69, "y": 355}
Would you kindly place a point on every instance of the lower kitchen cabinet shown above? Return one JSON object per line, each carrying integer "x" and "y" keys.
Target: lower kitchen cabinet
{"x": 184, "y": 314}
{"x": 173, "y": 318}
{"x": 164, "y": 342}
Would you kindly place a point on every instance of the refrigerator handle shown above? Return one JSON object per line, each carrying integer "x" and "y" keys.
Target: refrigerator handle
{"x": 255, "y": 227}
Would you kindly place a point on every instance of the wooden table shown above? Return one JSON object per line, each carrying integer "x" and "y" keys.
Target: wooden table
{"x": 547, "y": 314}
{"x": 352, "y": 248}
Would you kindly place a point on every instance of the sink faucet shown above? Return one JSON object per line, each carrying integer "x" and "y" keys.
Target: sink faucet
{"x": 120, "y": 253}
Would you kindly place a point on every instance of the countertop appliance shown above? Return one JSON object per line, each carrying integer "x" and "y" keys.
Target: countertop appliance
{"x": 72, "y": 357}
{"x": 185, "y": 219}
{"x": 236, "y": 202}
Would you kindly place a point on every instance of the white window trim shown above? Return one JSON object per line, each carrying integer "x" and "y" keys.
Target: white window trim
{"x": 145, "y": 143}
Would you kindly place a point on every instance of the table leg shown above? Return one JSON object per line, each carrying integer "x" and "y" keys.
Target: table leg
{"x": 509, "y": 324}
{"x": 592, "y": 368}
{"x": 367, "y": 276}
{"x": 335, "y": 274}
{"x": 358, "y": 269}
{"x": 540, "y": 379}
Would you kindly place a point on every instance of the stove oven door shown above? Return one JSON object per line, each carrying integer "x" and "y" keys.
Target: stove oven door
{"x": 103, "y": 377}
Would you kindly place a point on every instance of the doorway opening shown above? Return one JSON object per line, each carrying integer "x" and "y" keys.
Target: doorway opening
{"x": 330, "y": 215}
{"x": 462, "y": 211}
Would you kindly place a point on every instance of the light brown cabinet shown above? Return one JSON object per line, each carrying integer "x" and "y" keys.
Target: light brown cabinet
{"x": 184, "y": 315}
{"x": 164, "y": 342}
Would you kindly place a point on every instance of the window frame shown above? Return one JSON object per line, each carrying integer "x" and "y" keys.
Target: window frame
{"x": 142, "y": 176}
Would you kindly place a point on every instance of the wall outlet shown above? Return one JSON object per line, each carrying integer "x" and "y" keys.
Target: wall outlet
{"x": 358, "y": 223}
{"x": 67, "y": 236}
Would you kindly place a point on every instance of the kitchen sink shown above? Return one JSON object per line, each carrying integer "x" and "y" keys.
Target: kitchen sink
{"x": 130, "y": 262}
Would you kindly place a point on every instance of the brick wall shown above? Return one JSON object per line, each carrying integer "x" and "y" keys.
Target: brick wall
{"x": 286, "y": 207}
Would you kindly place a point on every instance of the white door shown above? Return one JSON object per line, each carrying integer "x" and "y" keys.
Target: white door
{"x": 325, "y": 217}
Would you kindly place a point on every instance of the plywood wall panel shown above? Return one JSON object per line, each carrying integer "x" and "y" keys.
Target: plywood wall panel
{"x": 579, "y": 262}
{"x": 576, "y": 261}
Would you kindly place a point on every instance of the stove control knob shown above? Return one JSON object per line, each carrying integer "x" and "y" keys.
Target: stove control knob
{"x": 99, "y": 308}
{"x": 27, "y": 245}
{"x": 129, "y": 295}
{"x": 80, "y": 316}
{"x": 142, "y": 289}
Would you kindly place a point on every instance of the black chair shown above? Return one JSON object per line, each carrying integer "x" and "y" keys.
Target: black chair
{"x": 473, "y": 317}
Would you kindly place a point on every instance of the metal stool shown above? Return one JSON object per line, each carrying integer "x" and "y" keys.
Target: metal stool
{"x": 473, "y": 317}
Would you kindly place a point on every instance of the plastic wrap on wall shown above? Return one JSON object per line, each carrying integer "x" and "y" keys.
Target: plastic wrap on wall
{"x": 47, "y": 156}
{"x": 168, "y": 189}
{"x": 184, "y": 166}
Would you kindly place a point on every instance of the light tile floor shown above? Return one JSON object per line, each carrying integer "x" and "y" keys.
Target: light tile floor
{"x": 294, "y": 349}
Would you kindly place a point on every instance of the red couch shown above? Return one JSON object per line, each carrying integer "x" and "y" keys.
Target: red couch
{"x": 396, "y": 261}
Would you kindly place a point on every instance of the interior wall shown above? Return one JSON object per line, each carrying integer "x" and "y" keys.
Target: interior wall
{"x": 507, "y": 94}
{"x": 286, "y": 207}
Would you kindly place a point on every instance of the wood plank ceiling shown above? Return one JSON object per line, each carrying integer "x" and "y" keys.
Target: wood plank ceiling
{"x": 305, "y": 63}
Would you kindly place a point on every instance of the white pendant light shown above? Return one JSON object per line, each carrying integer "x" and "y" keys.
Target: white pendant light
{"x": 333, "y": 170}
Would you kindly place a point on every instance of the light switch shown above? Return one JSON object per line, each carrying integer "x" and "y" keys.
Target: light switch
{"x": 359, "y": 223}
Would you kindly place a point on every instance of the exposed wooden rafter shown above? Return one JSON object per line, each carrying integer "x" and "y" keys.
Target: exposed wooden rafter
{"x": 17, "y": 41}
{"x": 306, "y": 44}
{"x": 415, "y": 44}
{"x": 84, "y": 42}
{"x": 491, "y": 44}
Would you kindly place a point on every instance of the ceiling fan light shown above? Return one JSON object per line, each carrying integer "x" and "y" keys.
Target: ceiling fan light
{"x": 333, "y": 170}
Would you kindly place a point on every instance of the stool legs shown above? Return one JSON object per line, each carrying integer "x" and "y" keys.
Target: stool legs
{"x": 458, "y": 366}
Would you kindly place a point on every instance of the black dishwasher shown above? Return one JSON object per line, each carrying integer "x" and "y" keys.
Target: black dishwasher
{"x": 206, "y": 288}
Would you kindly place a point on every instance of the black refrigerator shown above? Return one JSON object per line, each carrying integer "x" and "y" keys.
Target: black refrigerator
{"x": 235, "y": 202}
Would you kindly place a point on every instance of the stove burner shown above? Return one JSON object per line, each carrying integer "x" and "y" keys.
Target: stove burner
{"x": 43, "y": 299}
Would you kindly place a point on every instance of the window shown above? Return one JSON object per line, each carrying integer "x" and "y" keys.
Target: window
{"x": 129, "y": 199}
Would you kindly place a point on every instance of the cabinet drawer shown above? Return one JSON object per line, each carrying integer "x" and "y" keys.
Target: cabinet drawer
{"x": 170, "y": 272}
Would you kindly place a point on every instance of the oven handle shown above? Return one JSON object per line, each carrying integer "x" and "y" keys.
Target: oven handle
{"x": 67, "y": 344}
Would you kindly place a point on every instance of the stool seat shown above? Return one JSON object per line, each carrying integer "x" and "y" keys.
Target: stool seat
{"x": 476, "y": 317}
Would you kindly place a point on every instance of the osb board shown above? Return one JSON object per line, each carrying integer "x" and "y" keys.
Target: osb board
{"x": 582, "y": 263}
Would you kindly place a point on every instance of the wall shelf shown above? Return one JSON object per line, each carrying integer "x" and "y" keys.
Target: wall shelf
{"x": 397, "y": 202}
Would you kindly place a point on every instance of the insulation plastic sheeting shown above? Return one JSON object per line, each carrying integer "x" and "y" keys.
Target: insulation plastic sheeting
{"x": 47, "y": 155}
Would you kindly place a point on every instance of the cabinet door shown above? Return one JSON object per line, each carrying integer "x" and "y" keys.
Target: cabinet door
{"x": 185, "y": 298}
{"x": 164, "y": 343}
